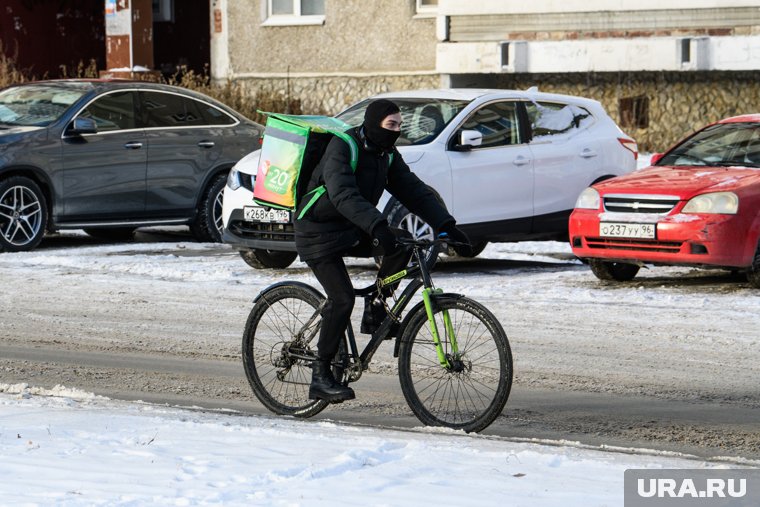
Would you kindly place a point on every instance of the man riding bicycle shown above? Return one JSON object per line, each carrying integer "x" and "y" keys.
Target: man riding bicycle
{"x": 346, "y": 222}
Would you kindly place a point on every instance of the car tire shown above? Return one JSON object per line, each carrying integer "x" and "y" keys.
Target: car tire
{"x": 753, "y": 274}
{"x": 23, "y": 214}
{"x": 615, "y": 271}
{"x": 207, "y": 226}
{"x": 401, "y": 218}
{"x": 263, "y": 259}
{"x": 112, "y": 233}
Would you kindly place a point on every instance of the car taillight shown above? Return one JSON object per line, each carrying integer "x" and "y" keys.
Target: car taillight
{"x": 630, "y": 145}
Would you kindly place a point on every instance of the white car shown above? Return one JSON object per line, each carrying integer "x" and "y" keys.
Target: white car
{"x": 508, "y": 165}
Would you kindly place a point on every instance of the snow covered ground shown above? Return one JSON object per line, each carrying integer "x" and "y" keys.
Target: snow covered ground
{"x": 66, "y": 447}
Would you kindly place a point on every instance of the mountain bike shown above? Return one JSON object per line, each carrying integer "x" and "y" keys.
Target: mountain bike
{"x": 454, "y": 359}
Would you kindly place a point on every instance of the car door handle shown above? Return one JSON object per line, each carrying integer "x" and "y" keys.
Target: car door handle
{"x": 206, "y": 144}
{"x": 588, "y": 153}
{"x": 134, "y": 145}
{"x": 520, "y": 160}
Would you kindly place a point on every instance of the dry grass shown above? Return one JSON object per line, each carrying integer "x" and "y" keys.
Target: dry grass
{"x": 231, "y": 94}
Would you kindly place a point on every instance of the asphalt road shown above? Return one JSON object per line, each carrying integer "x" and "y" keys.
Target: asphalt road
{"x": 114, "y": 337}
{"x": 598, "y": 419}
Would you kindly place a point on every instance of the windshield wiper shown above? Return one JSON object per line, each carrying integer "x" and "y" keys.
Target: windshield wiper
{"x": 734, "y": 163}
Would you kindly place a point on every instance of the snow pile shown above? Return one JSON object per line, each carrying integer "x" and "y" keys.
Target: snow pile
{"x": 69, "y": 448}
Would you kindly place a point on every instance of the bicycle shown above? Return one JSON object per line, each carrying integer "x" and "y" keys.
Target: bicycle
{"x": 454, "y": 359}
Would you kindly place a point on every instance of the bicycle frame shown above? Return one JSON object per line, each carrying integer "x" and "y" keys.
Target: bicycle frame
{"x": 420, "y": 278}
{"x": 359, "y": 361}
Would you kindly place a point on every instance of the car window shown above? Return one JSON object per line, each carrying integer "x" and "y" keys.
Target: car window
{"x": 36, "y": 104}
{"x": 213, "y": 115}
{"x": 162, "y": 110}
{"x": 724, "y": 144}
{"x": 498, "y": 122}
{"x": 113, "y": 111}
{"x": 422, "y": 119}
{"x": 554, "y": 118}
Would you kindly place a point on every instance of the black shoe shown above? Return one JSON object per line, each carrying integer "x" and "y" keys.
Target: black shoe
{"x": 374, "y": 314}
{"x": 325, "y": 387}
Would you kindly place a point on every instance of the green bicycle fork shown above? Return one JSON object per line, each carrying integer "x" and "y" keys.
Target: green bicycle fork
{"x": 442, "y": 359}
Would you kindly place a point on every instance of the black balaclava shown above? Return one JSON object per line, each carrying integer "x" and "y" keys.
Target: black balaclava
{"x": 376, "y": 112}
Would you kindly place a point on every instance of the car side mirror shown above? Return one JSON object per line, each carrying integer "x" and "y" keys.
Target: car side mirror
{"x": 468, "y": 139}
{"x": 656, "y": 157}
{"x": 83, "y": 126}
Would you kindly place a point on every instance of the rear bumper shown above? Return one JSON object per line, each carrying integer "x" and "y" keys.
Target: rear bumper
{"x": 709, "y": 240}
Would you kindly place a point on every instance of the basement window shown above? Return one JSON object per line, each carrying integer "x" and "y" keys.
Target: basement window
{"x": 634, "y": 112}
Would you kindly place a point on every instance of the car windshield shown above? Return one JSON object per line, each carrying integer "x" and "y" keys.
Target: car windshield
{"x": 723, "y": 145}
{"x": 38, "y": 104}
{"x": 422, "y": 119}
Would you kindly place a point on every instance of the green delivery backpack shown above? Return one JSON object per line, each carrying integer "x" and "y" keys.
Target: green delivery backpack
{"x": 293, "y": 146}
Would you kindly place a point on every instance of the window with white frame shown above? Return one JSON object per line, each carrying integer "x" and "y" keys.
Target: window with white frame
{"x": 427, "y": 6}
{"x": 295, "y": 12}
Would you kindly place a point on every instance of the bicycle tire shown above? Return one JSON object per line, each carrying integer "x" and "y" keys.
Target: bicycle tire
{"x": 471, "y": 398}
{"x": 280, "y": 381}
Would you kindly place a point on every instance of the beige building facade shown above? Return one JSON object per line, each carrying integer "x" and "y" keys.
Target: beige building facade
{"x": 661, "y": 68}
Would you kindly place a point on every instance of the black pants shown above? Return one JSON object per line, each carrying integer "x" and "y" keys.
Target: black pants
{"x": 332, "y": 274}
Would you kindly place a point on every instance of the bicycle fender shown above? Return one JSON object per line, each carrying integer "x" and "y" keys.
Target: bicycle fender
{"x": 435, "y": 299}
{"x": 287, "y": 283}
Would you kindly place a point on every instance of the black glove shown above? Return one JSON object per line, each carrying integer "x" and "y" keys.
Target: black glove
{"x": 459, "y": 240}
{"x": 383, "y": 239}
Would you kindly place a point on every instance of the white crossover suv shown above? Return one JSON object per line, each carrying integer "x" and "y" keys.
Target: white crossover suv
{"x": 508, "y": 165}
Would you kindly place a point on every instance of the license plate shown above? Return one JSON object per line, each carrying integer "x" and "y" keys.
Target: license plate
{"x": 625, "y": 230}
{"x": 261, "y": 214}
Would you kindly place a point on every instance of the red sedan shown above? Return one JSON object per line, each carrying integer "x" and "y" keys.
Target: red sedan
{"x": 697, "y": 205}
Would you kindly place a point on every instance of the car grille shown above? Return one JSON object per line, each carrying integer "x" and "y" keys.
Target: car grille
{"x": 657, "y": 204}
{"x": 263, "y": 231}
{"x": 634, "y": 244}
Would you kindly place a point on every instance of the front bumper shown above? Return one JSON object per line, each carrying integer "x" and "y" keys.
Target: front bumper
{"x": 258, "y": 235}
{"x": 680, "y": 239}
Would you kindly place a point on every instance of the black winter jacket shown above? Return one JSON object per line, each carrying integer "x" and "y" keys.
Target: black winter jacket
{"x": 347, "y": 210}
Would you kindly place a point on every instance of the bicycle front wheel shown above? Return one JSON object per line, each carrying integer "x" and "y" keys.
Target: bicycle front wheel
{"x": 470, "y": 389}
{"x": 277, "y": 356}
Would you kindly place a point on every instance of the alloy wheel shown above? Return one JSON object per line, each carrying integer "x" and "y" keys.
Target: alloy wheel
{"x": 20, "y": 216}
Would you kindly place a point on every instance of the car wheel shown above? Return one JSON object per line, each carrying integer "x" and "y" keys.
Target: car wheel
{"x": 262, "y": 259}
{"x": 402, "y": 218}
{"x": 618, "y": 271}
{"x": 23, "y": 214}
{"x": 112, "y": 233}
{"x": 753, "y": 275}
{"x": 207, "y": 225}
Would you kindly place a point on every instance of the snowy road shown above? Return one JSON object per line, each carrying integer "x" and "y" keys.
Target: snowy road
{"x": 668, "y": 362}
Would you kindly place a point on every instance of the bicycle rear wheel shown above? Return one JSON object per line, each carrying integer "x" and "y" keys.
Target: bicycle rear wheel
{"x": 470, "y": 392}
{"x": 276, "y": 356}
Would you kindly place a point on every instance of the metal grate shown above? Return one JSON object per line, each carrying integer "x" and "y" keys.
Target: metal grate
{"x": 634, "y": 244}
{"x": 659, "y": 205}
{"x": 263, "y": 231}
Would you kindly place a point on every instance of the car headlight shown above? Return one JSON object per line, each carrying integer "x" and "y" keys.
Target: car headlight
{"x": 589, "y": 199}
{"x": 725, "y": 203}
{"x": 233, "y": 179}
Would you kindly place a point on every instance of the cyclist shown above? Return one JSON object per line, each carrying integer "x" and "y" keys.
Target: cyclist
{"x": 345, "y": 221}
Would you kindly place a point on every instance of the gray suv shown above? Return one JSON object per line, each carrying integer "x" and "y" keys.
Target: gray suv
{"x": 108, "y": 156}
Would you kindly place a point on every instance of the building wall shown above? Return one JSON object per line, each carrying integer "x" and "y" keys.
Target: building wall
{"x": 678, "y": 102}
{"x": 45, "y": 35}
{"x": 363, "y": 47}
